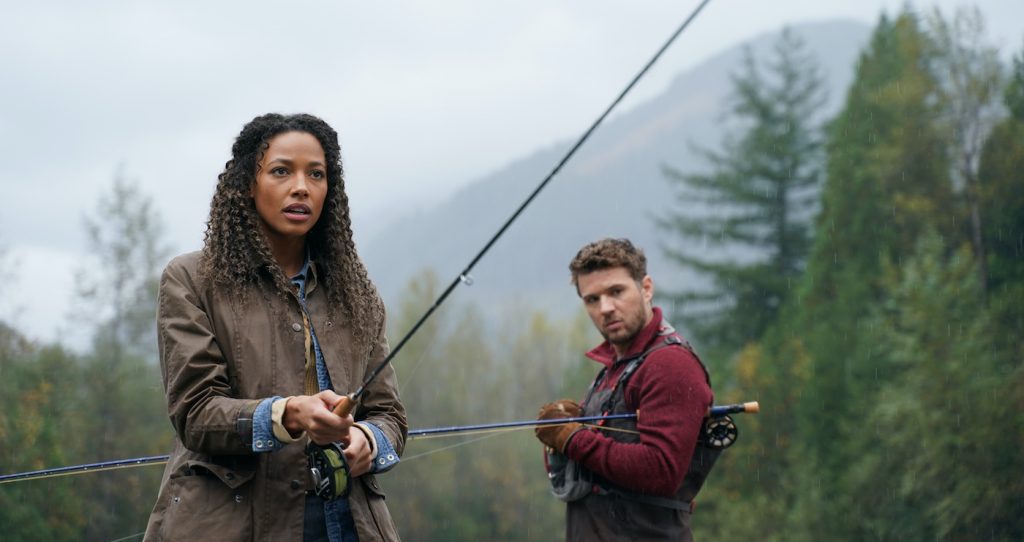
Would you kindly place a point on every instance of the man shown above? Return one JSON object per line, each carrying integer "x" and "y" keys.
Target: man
{"x": 641, "y": 483}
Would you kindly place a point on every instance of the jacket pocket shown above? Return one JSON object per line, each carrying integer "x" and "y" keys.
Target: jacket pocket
{"x": 204, "y": 498}
{"x": 374, "y": 495}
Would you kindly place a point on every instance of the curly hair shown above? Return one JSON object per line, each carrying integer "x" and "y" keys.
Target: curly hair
{"x": 606, "y": 254}
{"x": 236, "y": 254}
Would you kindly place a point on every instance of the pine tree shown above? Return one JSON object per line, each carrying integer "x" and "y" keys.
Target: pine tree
{"x": 760, "y": 194}
{"x": 945, "y": 414}
{"x": 887, "y": 184}
{"x": 1001, "y": 174}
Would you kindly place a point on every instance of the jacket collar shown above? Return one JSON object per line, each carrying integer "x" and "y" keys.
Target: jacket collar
{"x": 305, "y": 279}
{"x": 605, "y": 352}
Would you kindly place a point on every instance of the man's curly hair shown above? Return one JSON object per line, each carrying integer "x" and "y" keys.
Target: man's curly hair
{"x": 236, "y": 254}
{"x": 606, "y": 254}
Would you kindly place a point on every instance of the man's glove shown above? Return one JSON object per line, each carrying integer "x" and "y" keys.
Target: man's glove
{"x": 557, "y": 436}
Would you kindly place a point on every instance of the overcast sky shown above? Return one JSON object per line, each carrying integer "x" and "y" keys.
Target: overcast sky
{"x": 426, "y": 96}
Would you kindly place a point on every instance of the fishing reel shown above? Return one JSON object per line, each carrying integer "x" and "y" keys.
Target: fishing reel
{"x": 719, "y": 433}
{"x": 329, "y": 468}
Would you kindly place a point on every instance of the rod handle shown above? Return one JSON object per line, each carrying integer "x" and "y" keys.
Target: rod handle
{"x": 345, "y": 406}
{"x": 750, "y": 407}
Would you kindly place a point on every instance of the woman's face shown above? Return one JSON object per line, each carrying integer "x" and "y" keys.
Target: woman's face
{"x": 290, "y": 186}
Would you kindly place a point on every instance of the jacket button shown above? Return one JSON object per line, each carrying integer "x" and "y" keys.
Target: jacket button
{"x": 295, "y": 484}
{"x": 297, "y": 326}
{"x": 238, "y": 498}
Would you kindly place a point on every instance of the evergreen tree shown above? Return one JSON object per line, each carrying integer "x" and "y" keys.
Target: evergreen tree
{"x": 1002, "y": 192}
{"x": 945, "y": 415}
{"x": 887, "y": 183}
{"x": 760, "y": 195}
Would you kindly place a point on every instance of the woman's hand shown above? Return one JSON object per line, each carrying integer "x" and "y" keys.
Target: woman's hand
{"x": 357, "y": 453}
{"x": 312, "y": 414}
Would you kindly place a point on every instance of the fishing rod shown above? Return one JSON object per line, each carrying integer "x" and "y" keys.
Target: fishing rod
{"x": 718, "y": 411}
{"x": 349, "y": 402}
{"x": 715, "y": 412}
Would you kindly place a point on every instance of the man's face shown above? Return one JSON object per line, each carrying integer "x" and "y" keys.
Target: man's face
{"x": 618, "y": 305}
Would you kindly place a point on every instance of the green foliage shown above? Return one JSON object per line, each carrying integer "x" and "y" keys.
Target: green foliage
{"x": 35, "y": 433}
{"x": 459, "y": 371}
{"x": 887, "y": 183}
{"x": 891, "y": 386}
{"x": 1002, "y": 190}
{"x": 762, "y": 189}
{"x": 62, "y": 408}
{"x": 940, "y": 428}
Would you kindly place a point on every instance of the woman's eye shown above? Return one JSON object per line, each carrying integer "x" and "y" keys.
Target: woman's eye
{"x": 318, "y": 174}
{"x": 279, "y": 171}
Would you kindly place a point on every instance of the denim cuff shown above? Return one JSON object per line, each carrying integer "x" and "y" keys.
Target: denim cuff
{"x": 386, "y": 457}
{"x": 263, "y": 439}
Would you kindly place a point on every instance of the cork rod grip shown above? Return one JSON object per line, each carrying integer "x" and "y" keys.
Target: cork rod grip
{"x": 345, "y": 406}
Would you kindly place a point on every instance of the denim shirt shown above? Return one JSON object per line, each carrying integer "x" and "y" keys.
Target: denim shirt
{"x": 340, "y": 526}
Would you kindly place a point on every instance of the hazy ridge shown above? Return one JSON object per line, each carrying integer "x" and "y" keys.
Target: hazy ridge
{"x": 614, "y": 186}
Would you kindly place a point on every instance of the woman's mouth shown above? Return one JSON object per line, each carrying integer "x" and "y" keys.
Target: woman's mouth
{"x": 297, "y": 212}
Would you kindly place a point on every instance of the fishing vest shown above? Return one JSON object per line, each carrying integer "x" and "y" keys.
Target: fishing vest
{"x": 608, "y": 512}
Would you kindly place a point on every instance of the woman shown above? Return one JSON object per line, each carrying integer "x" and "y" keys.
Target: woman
{"x": 256, "y": 331}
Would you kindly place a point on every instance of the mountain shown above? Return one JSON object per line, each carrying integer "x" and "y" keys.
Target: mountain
{"x": 614, "y": 186}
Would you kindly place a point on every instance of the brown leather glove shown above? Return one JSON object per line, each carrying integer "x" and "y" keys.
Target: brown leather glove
{"x": 557, "y": 436}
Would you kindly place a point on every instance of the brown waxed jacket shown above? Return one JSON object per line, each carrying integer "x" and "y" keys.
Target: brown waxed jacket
{"x": 220, "y": 357}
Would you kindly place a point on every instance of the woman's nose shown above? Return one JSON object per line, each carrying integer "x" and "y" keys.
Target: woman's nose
{"x": 300, "y": 186}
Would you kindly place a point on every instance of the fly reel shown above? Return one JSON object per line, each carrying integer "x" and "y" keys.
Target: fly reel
{"x": 719, "y": 433}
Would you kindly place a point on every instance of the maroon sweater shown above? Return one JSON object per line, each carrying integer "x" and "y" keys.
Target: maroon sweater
{"x": 671, "y": 395}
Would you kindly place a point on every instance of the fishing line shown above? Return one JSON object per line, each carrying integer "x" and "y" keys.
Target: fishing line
{"x": 129, "y": 537}
{"x": 423, "y": 355}
{"x": 456, "y": 445}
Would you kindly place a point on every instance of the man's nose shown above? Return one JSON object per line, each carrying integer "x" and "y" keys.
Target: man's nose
{"x": 606, "y": 305}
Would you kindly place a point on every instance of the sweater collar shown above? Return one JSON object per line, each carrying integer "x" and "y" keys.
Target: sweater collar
{"x": 605, "y": 352}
